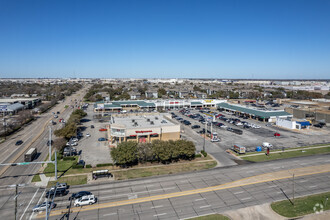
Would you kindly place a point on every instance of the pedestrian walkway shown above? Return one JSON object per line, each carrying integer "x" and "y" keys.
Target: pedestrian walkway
{"x": 44, "y": 181}
{"x": 277, "y": 152}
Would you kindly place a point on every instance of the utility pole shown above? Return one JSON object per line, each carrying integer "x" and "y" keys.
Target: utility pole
{"x": 205, "y": 136}
{"x": 293, "y": 189}
{"x": 16, "y": 195}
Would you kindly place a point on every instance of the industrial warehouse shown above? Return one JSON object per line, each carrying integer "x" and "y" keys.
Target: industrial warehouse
{"x": 143, "y": 129}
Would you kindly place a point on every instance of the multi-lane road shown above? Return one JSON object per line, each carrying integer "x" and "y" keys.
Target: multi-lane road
{"x": 34, "y": 135}
{"x": 185, "y": 195}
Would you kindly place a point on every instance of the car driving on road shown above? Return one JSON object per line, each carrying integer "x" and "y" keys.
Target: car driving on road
{"x": 19, "y": 142}
{"x": 42, "y": 206}
{"x": 85, "y": 200}
{"x": 80, "y": 194}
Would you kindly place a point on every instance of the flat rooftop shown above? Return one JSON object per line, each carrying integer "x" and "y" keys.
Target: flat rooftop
{"x": 144, "y": 121}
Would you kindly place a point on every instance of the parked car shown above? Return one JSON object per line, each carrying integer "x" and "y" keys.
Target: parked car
{"x": 102, "y": 139}
{"x": 50, "y": 142}
{"x": 195, "y": 126}
{"x": 88, "y": 135}
{"x": 85, "y": 200}
{"x": 81, "y": 162}
{"x": 102, "y": 129}
{"x": 92, "y": 126}
{"x": 318, "y": 125}
{"x": 69, "y": 151}
{"x": 19, "y": 142}
{"x": 276, "y": 134}
{"x": 80, "y": 194}
{"x": 71, "y": 144}
{"x": 42, "y": 206}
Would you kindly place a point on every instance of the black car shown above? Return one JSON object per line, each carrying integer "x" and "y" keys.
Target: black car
{"x": 50, "y": 142}
{"x": 318, "y": 125}
{"x": 19, "y": 142}
{"x": 195, "y": 126}
{"x": 79, "y": 195}
{"x": 92, "y": 126}
{"x": 81, "y": 162}
{"x": 57, "y": 192}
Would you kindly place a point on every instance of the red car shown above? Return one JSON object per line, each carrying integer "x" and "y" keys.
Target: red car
{"x": 277, "y": 134}
{"x": 103, "y": 129}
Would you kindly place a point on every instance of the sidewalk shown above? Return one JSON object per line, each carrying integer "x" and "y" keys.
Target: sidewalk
{"x": 44, "y": 181}
{"x": 277, "y": 152}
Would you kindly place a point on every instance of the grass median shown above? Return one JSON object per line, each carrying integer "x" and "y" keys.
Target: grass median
{"x": 211, "y": 217}
{"x": 302, "y": 206}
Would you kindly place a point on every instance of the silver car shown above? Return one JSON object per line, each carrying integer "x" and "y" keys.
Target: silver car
{"x": 42, "y": 206}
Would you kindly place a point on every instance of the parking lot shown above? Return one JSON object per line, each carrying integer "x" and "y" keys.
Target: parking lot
{"x": 93, "y": 151}
{"x": 253, "y": 136}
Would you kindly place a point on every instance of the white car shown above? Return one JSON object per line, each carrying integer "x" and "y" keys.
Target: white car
{"x": 71, "y": 144}
{"x": 88, "y": 135}
{"x": 74, "y": 139}
{"x": 85, "y": 200}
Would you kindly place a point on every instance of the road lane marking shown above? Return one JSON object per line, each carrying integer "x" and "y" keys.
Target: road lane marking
{"x": 114, "y": 213}
{"x": 155, "y": 207}
{"x": 262, "y": 178}
{"x": 199, "y": 199}
{"x": 238, "y": 192}
{"x": 313, "y": 186}
{"x": 272, "y": 186}
{"x": 29, "y": 204}
{"x": 302, "y": 181}
{"x": 205, "y": 206}
{"x": 246, "y": 198}
{"x": 130, "y": 194}
{"x": 160, "y": 214}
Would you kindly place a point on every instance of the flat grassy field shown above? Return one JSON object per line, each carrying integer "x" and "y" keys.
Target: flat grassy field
{"x": 70, "y": 180}
{"x": 211, "y": 217}
{"x": 289, "y": 154}
{"x": 62, "y": 166}
{"x": 303, "y": 206}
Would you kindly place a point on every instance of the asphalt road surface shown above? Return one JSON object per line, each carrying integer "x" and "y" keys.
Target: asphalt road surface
{"x": 34, "y": 135}
{"x": 126, "y": 199}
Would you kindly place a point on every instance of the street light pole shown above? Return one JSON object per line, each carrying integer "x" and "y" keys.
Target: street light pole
{"x": 293, "y": 189}
{"x": 16, "y": 195}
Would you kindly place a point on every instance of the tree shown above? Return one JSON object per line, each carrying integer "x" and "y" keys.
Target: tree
{"x": 68, "y": 131}
{"x": 144, "y": 152}
{"x": 125, "y": 154}
{"x": 161, "y": 92}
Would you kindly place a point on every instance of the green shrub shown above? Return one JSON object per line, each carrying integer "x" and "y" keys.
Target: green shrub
{"x": 78, "y": 166}
{"x": 104, "y": 164}
{"x": 69, "y": 158}
{"x": 198, "y": 155}
{"x": 204, "y": 153}
{"x": 88, "y": 166}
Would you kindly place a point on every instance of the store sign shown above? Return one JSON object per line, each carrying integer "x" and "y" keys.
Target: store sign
{"x": 143, "y": 131}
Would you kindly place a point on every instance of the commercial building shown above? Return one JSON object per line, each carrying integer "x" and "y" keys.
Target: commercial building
{"x": 143, "y": 128}
{"x": 132, "y": 105}
{"x": 254, "y": 113}
{"x": 27, "y": 102}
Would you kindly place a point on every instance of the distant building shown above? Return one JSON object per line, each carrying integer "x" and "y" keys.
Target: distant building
{"x": 151, "y": 94}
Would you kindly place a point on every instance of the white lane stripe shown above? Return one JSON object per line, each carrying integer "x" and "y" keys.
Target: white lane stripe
{"x": 302, "y": 181}
{"x": 29, "y": 204}
{"x": 160, "y": 214}
{"x": 42, "y": 195}
{"x": 129, "y": 194}
{"x": 238, "y": 192}
{"x": 114, "y": 213}
{"x": 199, "y": 199}
{"x": 205, "y": 206}
{"x": 272, "y": 186}
{"x": 155, "y": 207}
{"x": 246, "y": 198}
{"x": 313, "y": 186}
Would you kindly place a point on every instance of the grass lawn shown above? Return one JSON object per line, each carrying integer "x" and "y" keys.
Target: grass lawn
{"x": 288, "y": 154}
{"x": 161, "y": 170}
{"x": 211, "y": 217}
{"x": 303, "y": 206}
{"x": 62, "y": 166}
{"x": 36, "y": 178}
{"x": 70, "y": 180}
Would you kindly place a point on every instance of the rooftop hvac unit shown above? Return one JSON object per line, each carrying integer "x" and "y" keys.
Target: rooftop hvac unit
{"x": 151, "y": 122}
{"x": 148, "y": 119}
{"x": 156, "y": 118}
{"x": 133, "y": 120}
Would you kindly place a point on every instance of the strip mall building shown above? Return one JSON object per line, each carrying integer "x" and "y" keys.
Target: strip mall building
{"x": 143, "y": 128}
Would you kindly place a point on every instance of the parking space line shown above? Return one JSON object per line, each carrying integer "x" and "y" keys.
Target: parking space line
{"x": 205, "y": 206}
{"x": 238, "y": 192}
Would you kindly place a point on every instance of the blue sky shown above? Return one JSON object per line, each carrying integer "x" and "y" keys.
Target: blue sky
{"x": 165, "y": 39}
